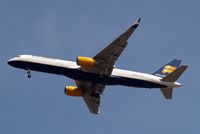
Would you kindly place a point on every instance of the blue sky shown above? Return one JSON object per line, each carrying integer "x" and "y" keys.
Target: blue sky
{"x": 67, "y": 28}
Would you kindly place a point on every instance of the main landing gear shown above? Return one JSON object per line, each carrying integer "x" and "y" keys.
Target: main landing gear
{"x": 96, "y": 97}
{"x": 95, "y": 94}
{"x": 29, "y": 73}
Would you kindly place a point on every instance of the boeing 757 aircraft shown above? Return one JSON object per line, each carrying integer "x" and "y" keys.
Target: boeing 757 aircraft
{"x": 93, "y": 74}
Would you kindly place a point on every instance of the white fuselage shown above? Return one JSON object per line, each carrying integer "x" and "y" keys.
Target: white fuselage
{"x": 72, "y": 70}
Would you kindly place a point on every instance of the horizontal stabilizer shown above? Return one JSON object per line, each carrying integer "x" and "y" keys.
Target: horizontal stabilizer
{"x": 167, "y": 92}
{"x": 172, "y": 77}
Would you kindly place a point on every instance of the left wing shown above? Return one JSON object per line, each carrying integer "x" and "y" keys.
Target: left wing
{"x": 91, "y": 95}
{"x": 107, "y": 57}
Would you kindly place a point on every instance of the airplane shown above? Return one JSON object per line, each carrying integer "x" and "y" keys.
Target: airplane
{"x": 93, "y": 74}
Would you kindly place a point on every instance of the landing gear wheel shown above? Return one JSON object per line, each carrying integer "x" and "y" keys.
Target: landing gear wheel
{"x": 29, "y": 73}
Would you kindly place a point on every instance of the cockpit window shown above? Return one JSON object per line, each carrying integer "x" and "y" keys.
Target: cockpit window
{"x": 18, "y": 56}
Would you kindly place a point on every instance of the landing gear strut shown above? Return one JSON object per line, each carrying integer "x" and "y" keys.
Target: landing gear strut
{"x": 29, "y": 73}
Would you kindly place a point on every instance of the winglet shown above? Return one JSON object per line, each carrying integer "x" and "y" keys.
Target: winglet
{"x": 135, "y": 25}
{"x": 139, "y": 19}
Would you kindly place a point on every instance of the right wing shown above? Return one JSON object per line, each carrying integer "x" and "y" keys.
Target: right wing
{"x": 93, "y": 104}
{"x": 92, "y": 95}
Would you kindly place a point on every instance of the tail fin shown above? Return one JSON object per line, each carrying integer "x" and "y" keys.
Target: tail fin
{"x": 175, "y": 74}
{"x": 172, "y": 77}
{"x": 167, "y": 68}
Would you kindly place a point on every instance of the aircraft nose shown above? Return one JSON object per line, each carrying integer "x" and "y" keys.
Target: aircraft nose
{"x": 10, "y": 62}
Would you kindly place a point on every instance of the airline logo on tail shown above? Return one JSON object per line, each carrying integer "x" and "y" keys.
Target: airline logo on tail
{"x": 168, "y": 69}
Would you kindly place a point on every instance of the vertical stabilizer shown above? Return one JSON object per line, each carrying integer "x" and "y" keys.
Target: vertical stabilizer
{"x": 167, "y": 68}
{"x": 175, "y": 74}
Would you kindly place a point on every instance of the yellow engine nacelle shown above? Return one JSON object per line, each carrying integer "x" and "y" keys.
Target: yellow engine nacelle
{"x": 85, "y": 62}
{"x": 73, "y": 91}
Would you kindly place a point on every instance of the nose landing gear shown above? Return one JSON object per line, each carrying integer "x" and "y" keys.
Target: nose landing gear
{"x": 29, "y": 73}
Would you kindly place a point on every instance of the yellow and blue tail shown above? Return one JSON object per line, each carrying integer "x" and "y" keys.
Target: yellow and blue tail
{"x": 170, "y": 73}
{"x": 168, "y": 68}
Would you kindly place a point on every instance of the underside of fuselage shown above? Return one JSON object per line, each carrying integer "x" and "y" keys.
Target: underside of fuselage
{"x": 78, "y": 74}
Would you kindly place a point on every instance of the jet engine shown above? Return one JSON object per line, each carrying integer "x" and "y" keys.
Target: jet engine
{"x": 73, "y": 91}
{"x": 85, "y": 62}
